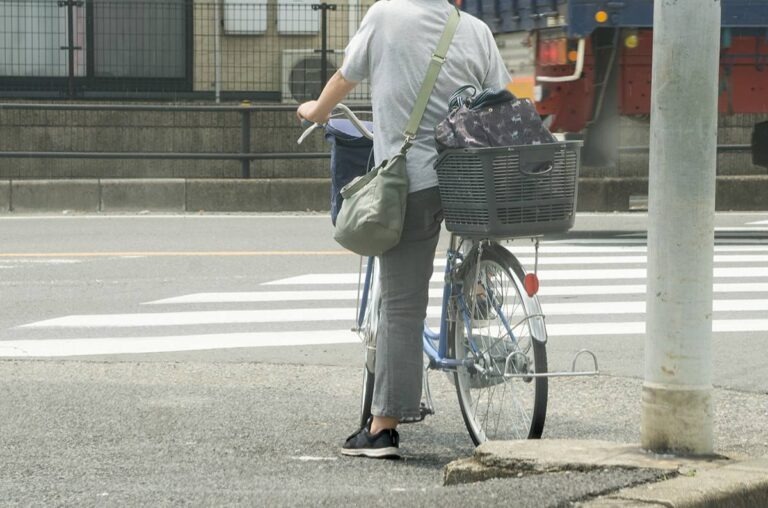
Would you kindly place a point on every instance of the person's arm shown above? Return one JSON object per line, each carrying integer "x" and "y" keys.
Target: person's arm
{"x": 333, "y": 93}
{"x": 497, "y": 75}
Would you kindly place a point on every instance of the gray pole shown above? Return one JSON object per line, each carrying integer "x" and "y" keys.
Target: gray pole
{"x": 677, "y": 391}
{"x": 217, "y": 50}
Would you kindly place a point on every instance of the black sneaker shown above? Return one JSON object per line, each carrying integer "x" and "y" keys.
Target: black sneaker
{"x": 383, "y": 445}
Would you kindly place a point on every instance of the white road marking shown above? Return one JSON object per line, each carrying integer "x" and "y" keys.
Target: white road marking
{"x": 633, "y": 328}
{"x": 608, "y": 308}
{"x": 613, "y": 308}
{"x": 619, "y": 260}
{"x": 196, "y": 318}
{"x": 586, "y": 248}
{"x": 188, "y": 216}
{"x": 129, "y": 345}
{"x": 591, "y": 255}
{"x": 260, "y": 296}
{"x": 738, "y": 229}
{"x": 583, "y": 290}
{"x": 544, "y": 275}
{"x": 48, "y": 261}
{"x": 134, "y": 345}
{"x": 629, "y": 240}
{"x": 351, "y": 295}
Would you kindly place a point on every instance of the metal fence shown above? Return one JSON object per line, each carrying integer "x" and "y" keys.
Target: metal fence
{"x": 89, "y": 140}
{"x": 261, "y": 50}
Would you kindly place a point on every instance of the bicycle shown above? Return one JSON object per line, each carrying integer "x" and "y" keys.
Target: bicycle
{"x": 492, "y": 337}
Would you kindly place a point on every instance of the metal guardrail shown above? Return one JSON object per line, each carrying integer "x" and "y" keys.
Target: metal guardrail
{"x": 245, "y": 155}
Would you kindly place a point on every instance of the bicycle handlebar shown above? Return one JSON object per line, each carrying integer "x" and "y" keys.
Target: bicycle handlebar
{"x": 344, "y": 111}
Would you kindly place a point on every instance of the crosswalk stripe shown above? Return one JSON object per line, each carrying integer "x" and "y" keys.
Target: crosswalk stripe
{"x": 608, "y": 308}
{"x": 638, "y": 327}
{"x": 196, "y": 318}
{"x": 128, "y": 345}
{"x": 544, "y": 275}
{"x": 545, "y": 290}
{"x": 259, "y": 296}
{"x": 620, "y": 260}
{"x": 346, "y": 295}
{"x": 630, "y": 241}
{"x": 586, "y": 248}
{"x": 613, "y": 308}
{"x": 133, "y": 345}
{"x": 587, "y": 259}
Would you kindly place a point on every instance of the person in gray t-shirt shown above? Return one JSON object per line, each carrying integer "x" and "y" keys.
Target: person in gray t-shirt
{"x": 392, "y": 48}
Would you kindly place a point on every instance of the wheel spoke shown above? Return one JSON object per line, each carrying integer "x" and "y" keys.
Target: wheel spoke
{"x": 495, "y": 406}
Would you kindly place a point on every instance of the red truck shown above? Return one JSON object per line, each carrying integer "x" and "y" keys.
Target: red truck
{"x": 592, "y": 64}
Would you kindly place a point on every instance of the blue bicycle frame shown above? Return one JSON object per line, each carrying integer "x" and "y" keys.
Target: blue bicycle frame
{"x": 435, "y": 343}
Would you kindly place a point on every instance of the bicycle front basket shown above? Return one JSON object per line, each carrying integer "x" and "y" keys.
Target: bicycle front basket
{"x": 510, "y": 191}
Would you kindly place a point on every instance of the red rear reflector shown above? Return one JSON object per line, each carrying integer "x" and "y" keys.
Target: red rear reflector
{"x": 531, "y": 283}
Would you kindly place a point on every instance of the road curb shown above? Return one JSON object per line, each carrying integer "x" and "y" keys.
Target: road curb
{"x": 690, "y": 482}
{"x": 737, "y": 485}
{"x": 734, "y": 193}
{"x": 5, "y": 196}
{"x": 121, "y": 195}
{"x": 82, "y": 195}
{"x": 257, "y": 195}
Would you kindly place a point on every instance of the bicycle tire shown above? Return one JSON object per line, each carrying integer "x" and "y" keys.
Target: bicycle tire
{"x": 368, "y": 330}
{"x": 482, "y": 407}
{"x": 366, "y": 396}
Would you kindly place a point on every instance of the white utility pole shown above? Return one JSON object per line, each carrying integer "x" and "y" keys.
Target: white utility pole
{"x": 677, "y": 393}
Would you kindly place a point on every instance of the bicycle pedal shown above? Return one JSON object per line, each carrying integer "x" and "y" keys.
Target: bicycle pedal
{"x": 424, "y": 411}
{"x": 412, "y": 419}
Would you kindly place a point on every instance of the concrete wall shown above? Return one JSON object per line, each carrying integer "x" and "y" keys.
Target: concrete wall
{"x": 732, "y": 130}
{"x": 271, "y": 132}
{"x": 745, "y": 193}
{"x": 152, "y": 132}
{"x": 122, "y": 185}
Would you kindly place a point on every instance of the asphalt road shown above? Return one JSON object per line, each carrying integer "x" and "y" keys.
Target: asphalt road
{"x": 262, "y": 425}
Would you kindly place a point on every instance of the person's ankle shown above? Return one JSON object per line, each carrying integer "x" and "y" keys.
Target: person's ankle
{"x": 379, "y": 423}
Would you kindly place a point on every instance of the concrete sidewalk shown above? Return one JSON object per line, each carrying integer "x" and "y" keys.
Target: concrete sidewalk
{"x": 683, "y": 482}
{"x": 173, "y": 195}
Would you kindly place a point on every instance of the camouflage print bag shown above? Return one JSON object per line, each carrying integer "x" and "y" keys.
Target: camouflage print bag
{"x": 491, "y": 118}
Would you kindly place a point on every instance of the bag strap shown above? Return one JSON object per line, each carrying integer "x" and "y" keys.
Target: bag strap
{"x": 435, "y": 64}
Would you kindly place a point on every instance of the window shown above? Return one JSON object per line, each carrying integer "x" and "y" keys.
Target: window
{"x": 118, "y": 45}
{"x": 32, "y": 34}
{"x": 139, "y": 38}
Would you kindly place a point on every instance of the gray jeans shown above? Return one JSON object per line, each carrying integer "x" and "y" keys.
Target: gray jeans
{"x": 405, "y": 273}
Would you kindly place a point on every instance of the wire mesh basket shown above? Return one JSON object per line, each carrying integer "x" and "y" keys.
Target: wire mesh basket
{"x": 510, "y": 191}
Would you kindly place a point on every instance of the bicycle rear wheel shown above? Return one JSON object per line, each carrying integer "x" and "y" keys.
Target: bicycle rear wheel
{"x": 496, "y": 330}
{"x": 367, "y": 330}
{"x": 366, "y": 397}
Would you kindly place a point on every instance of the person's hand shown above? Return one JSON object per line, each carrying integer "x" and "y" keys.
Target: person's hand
{"x": 308, "y": 111}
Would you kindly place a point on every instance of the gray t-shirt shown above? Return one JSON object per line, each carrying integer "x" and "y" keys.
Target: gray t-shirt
{"x": 392, "y": 48}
